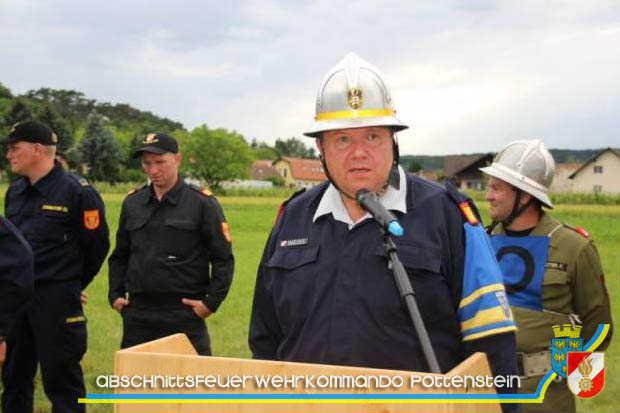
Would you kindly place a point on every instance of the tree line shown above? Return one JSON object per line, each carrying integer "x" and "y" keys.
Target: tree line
{"x": 97, "y": 139}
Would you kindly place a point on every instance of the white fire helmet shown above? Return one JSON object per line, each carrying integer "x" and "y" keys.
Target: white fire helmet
{"x": 353, "y": 95}
{"x": 527, "y": 165}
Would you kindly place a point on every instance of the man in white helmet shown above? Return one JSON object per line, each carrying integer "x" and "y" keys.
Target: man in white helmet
{"x": 324, "y": 292}
{"x": 552, "y": 271}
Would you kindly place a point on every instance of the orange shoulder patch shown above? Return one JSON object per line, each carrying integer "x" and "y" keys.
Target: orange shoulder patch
{"x": 226, "y": 231}
{"x": 91, "y": 219}
{"x": 582, "y": 231}
{"x": 468, "y": 213}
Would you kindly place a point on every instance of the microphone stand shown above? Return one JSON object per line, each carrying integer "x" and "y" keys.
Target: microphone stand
{"x": 406, "y": 292}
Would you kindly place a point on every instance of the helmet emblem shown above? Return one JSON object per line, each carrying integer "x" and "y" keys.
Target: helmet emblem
{"x": 354, "y": 98}
{"x": 54, "y": 138}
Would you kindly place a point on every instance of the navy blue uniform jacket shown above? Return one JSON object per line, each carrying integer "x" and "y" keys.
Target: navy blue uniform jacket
{"x": 324, "y": 293}
{"x": 63, "y": 219}
{"x": 16, "y": 272}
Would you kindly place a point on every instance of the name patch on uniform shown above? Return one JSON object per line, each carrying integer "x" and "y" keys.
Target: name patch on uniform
{"x": 57, "y": 208}
{"x": 556, "y": 266}
{"x": 503, "y": 302}
{"x": 91, "y": 219}
{"x": 294, "y": 242}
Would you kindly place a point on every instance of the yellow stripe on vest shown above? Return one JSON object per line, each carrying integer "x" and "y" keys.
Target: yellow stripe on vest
{"x": 481, "y": 291}
{"x": 484, "y": 317}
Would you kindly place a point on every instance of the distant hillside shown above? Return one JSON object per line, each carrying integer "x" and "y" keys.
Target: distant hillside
{"x": 431, "y": 163}
{"x": 74, "y": 107}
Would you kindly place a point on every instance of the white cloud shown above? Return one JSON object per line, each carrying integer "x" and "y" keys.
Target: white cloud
{"x": 467, "y": 75}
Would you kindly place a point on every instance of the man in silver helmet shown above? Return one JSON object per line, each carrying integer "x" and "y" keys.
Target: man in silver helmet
{"x": 324, "y": 292}
{"x": 552, "y": 271}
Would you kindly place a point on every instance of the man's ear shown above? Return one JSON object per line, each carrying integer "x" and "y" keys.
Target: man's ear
{"x": 525, "y": 198}
{"x": 37, "y": 148}
{"x": 319, "y": 144}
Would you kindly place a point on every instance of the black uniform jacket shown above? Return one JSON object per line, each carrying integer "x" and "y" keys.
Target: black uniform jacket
{"x": 179, "y": 246}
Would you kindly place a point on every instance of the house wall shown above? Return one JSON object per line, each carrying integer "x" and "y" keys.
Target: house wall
{"x": 284, "y": 169}
{"x": 561, "y": 181}
{"x": 608, "y": 181}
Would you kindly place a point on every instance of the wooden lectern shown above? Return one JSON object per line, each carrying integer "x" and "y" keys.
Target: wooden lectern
{"x": 175, "y": 356}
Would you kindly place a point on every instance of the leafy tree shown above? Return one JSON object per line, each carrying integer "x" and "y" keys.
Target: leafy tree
{"x": 414, "y": 166}
{"x": 19, "y": 111}
{"x": 50, "y": 116}
{"x": 5, "y": 92}
{"x": 264, "y": 151}
{"x": 295, "y": 148}
{"x": 99, "y": 150}
{"x": 134, "y": 144}
{"x": 216, "y": 155}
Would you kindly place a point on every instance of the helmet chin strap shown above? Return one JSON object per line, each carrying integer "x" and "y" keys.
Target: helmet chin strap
{"x": 329, "y": 176}
{"x": 393, "y": 177}
{"x": 516, "y": 211}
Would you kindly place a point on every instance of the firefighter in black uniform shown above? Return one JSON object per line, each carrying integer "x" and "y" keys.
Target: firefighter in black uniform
{"x": 63, "y": 219}
{"x": 16, "y": 276}
{"x": 173, "y": 264}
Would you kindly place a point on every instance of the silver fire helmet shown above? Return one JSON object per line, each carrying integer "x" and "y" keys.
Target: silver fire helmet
{"x": 353, "y": 95}
{"x": 527, "y": 165}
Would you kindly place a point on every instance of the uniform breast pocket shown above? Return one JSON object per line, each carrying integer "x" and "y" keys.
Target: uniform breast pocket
{"x": 137, "y": 231}
{"x": 181, "y": 236}
{"x": 52, "y": 226}
{"x": 293, "y": 284}
{"x": 556, "y": 291}
{"x": 432, "y": 294}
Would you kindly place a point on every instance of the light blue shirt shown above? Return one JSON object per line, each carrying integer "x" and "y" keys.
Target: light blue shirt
{"x": 392, "y": 199}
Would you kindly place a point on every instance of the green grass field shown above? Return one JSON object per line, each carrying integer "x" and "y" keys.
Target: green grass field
{"x": 250, "y": 220}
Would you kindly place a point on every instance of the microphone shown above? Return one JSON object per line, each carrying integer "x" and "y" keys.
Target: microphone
{"x": 369, "y": 201}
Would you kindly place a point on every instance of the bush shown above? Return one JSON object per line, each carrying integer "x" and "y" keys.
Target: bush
{"x": 119, "y": 188}
{"x": 131, "y": 175}
{"x": 276, "y": 180}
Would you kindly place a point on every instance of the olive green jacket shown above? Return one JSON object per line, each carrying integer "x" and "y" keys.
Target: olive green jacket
{"x": 573, "y": 283}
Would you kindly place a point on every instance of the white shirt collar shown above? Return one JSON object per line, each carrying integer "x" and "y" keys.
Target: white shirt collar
{"x": 392, "y": 199}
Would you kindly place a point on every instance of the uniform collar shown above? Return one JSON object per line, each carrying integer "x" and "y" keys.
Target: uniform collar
{"x": 544, "y": 227}
{"x": 47, "y": 184}
{"x": 172, "y": 196}
{"x": 331, "y": 202}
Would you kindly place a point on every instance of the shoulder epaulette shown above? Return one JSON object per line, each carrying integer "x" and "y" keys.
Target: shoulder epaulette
{"x": 82, "y": 181}
{"x": 134, "y": 190}
{"x": 579, "y": 230}
{"x": 285, "y": 203}
{"x": 203, "y": 191}
{"x": 464, "y": 204}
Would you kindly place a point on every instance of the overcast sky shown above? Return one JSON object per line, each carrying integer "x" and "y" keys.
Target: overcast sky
{"x": 467, "y": 76}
